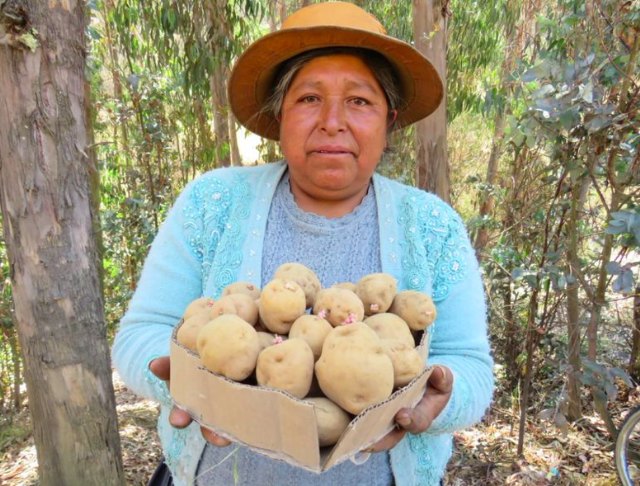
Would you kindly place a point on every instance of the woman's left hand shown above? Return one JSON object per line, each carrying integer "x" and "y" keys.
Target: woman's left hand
{"x": 419, "y": 418}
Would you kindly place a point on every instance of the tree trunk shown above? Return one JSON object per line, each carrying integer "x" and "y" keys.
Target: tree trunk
{"x": 486, "y": 197}
{"x": 44, "y": 195}
{"x": 218, "y": 25}
{"x": 600, "y": 294}
{"x": 513, "y": 337}
{"x": 430, "y": 34}
{"x": 236, "y": 160}
{"x": 573, "y": 310}
{"x": 220, "y": 118}
{"x": 531, "y": 338}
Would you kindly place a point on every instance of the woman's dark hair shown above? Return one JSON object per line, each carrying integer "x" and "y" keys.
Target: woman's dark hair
{"x": 377, "y": 63}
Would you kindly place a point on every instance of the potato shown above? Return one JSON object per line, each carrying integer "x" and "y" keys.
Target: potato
{"x": 303, "y": 276}
{"x": 286, "y": 366}
{"x": 242, "y": 288}
{"x": 188, "y": 331}
{"x": 281, "y": 303}
{"x": 407, "y": 363}
{"x": 203, "y": 303}
{"x": 330, "y": 419}
{"x": 345, "y": 285}
{"x": 338, "y": 306}
{"x": 416, "y": 308}
{"x": 241, "y": 305}
{"x": 313, "y": 330}
{"x": 229, "y": 346}
{"x": 390, "y": 326}
{"x": 376, "y": 291}
{"x": 353, "y": 370}
{"x": 358, "y": 331}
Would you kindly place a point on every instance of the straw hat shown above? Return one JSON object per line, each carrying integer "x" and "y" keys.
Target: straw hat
{"x": 330, "y": 24}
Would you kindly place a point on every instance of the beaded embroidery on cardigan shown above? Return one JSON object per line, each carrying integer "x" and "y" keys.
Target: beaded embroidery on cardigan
{"x": 215, "y": 219}
{"x": 421, "y": 445}
{"x": 434, "y": 245}
{"x": 433, "y": 248}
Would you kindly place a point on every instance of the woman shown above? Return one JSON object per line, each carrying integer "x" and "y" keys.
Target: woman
{"x": 329, "y": 85}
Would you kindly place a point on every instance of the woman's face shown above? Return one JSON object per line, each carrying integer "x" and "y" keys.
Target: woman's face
{"x": 332, "y": 132}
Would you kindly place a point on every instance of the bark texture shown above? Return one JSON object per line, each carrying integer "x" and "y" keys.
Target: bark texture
{"x": 430, "y": 34}
{"x": 45, "y": 199}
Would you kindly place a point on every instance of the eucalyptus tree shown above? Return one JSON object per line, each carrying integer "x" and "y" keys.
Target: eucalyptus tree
{"x": 430, "y": 35}
{"x": 48, "y": 228}
{"x": 581, "y": 94}
{"x": 483, "y": 47}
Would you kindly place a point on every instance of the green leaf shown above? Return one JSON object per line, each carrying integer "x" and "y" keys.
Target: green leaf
{"x": 517, "y": 273}
{"x": 624, "y": 282}
{"x": 598, "y": 123}
{"x": 613, "y": 268}
{"x": 569, "y": 119}
{"x": 586, "y": 92}
{"x": 544, "y": 90}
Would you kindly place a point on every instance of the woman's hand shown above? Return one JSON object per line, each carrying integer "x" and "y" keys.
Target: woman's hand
{"x": 419, "y": 418}
{"x": 178, "y": 418}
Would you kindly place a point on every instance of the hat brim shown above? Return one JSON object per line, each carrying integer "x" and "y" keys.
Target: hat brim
{"x": 253, "y": 75}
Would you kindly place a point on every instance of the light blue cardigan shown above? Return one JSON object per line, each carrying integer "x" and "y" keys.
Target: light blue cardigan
{"x": 213, "y": 236}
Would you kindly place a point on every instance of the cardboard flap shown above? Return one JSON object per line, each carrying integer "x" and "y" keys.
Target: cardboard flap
{"x": 377, "y": 421}
{"x": 263, "y": 418}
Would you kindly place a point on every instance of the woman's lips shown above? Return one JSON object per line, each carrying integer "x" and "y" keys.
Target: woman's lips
{"x": 331, "y": 151}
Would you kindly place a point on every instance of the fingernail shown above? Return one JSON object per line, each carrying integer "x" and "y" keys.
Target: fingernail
{"x": 404, "y": 421}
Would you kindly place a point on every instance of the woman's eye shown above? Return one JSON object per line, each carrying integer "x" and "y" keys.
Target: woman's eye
{"x": 359, "y": 101}
{"x": 309, "y": 99}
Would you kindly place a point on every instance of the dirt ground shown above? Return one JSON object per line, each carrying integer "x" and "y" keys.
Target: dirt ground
{"x": 484, "y": 454}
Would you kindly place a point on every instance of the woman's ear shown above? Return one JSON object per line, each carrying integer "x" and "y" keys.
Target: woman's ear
{"x": 393, "y": 116}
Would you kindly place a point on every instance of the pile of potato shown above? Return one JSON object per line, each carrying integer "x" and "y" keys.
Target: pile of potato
{"x": 341, "y": 348}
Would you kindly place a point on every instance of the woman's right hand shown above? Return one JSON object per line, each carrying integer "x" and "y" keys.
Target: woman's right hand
{"x": 161, "y": 367}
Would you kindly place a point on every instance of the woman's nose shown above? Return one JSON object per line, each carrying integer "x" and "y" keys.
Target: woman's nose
{"x": 333, "y": 116}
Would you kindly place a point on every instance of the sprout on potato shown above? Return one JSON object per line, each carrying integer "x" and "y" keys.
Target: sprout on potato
{"x": 281, "y": 303}
{"x": 197, "y": 305}
{"x": 416, "y": 308}
{"x": 267, "y": 339}
{"x": 338, "y": 306}
{"x": 376, "y": 291}
{"x": 242, "y": 288}
{"x": 303, "y": 276}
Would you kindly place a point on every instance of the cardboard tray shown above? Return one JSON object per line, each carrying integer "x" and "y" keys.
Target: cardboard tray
{"x": 275, "y": 423}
